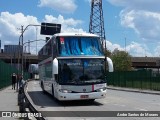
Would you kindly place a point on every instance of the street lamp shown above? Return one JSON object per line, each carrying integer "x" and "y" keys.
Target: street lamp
{"x": 21, "y": 36}
{"x": 26, "y": 43}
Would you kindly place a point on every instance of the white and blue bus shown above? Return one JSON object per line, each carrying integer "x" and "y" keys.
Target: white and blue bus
{"x": 72, "y": 67}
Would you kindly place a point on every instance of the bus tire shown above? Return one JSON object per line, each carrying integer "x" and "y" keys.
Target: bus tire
{"x": 42, "y": 86}
{"x": 91, "y": 100}
{"x": 53, "y": 91}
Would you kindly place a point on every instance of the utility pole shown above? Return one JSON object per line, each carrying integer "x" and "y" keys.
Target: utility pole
{"x": 96, "y": 25}
{"x": 22, "y": 49}
{"x": 28, "y": 46}
{"x": 20, "y": 52}
{"x": 36, "y": 39}
{"x": 21, "y": 37}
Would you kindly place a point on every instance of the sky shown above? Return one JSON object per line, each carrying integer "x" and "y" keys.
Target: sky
{"x": 131, "y": 25}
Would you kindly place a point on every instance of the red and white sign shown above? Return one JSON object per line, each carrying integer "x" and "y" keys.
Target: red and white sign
{"x": 62, "y": 40}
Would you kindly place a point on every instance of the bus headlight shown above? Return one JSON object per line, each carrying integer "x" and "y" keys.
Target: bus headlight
{"x": 101, "y": 89}
{"x": 65, "y": 91}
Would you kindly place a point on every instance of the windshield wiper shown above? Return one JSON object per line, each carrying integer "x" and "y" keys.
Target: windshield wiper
{"x": 93, "y": 81}
{"x": 78, "y": 81}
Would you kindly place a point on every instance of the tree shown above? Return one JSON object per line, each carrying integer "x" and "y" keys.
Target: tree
{"x": 107, "y": 53}
{"x": 121, "y": 60}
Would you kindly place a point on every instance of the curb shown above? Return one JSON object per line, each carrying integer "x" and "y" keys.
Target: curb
{"x": 134, "y": 90}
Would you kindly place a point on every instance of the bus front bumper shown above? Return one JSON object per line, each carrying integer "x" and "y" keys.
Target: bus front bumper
{"x": 81, "y": 96}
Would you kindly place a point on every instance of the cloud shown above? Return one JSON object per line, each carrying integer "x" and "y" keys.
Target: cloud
{"x": 146, "y": 24}
{"x": 68, "y": 25}
{"x": 64, "y": 6}
{"x": 9, "y": 24}
{"x": 147, "y": 5}
{"x": 60, "y": 19}
{"x": 157, "y": 49}
{"x": 110, "y": 46}
{"x": 138, "y": 50}
{"x": 143, "y": 16}
{"x": 9, "y": 33}
{"x": 134, "y": 49}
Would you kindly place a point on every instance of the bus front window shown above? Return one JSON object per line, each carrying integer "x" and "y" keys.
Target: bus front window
{"x": 81, "y": 71}
{"x": 79, "y": 46}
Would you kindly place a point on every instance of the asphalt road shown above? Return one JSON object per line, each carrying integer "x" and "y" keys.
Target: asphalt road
{"x": 115, "y": 101}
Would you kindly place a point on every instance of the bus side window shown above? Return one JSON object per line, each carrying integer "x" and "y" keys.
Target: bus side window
{"x": 49, "y": 49}
{"x": 54, "y": 48}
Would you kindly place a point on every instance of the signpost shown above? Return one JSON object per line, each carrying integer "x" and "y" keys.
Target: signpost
{"x": 46, "y": 29}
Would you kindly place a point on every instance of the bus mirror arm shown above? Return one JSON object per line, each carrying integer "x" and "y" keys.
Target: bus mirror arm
{"x": 55, "y": 66}
{"x": 110, "y": 64}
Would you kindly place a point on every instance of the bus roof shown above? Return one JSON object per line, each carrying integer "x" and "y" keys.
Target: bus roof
{"x": 76, "y": 34}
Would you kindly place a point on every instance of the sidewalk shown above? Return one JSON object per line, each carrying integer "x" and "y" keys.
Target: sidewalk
{"x": 134, "y": 90}
{"x": 8, "y": 101}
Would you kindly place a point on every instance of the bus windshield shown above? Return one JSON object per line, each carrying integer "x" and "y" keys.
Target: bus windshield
{"x": 81, "y": 71}
{"x": 69, "y": 46}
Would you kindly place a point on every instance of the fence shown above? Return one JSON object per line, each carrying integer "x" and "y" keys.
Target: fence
{"x": 5, "y": 74}
{"x": 143, "y": 79}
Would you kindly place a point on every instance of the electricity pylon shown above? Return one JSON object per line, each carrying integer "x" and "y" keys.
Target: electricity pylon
{"x": 96, "y": 25}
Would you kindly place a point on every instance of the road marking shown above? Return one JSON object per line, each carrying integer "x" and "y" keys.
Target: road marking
{"x": 119, "y": 105}
{"x": 141, "y": 109}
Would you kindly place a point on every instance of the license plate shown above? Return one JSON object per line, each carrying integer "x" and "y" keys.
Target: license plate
{"x": 84, "y": 96}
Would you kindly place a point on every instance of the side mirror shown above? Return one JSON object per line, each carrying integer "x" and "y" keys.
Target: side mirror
{"x": 110, "y": 64}
{"x": 55, "y": 66}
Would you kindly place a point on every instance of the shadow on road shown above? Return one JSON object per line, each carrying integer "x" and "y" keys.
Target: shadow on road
{"x": 42, "y": 99}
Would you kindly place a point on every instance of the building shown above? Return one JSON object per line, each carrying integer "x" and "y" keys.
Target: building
{"x": 12, "y": 49}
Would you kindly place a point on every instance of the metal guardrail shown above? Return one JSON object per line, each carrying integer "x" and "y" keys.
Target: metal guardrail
{"x": 24, "y": 101}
